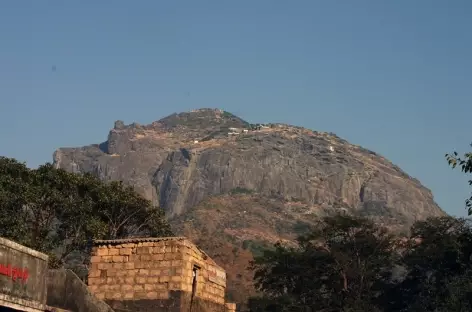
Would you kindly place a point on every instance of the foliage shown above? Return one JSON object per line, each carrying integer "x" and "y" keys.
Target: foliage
{"x": 241, "y": 190}
{"x": 438, "y": 265}
{"x": 465, "y": 164}
{"x": 257, "y": 248}
{"x": 350, "y": 257}
{"x": 348, "y": 264}
{"x": 301, "y": 227}
{"x": 229, "y": 115}
{"x": 14, "y": 192}
{"x": 59, "y": 212}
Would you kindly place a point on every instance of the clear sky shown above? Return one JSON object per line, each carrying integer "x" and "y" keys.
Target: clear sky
{"x": 393, "y": 76}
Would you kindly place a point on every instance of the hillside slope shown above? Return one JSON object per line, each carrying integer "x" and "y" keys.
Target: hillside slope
{"x": 232, "y": 228}
{"x": 276, "y": 180}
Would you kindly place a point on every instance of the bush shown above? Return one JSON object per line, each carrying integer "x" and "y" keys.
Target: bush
{"x": 241, "y": 190}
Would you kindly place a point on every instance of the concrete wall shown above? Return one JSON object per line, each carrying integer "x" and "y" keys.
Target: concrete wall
{"x": 178, "y": 301}
{"x": 22, "y": 277}
{"x": 156, "y": 274}
{"x": 66, "y": 291}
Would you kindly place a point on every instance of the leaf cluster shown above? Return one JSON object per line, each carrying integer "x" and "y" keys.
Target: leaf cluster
{"x": 439, "y": 268}
{"x": 60, "y": 213}
{"x": 350, "y": 264}
{"x": 342, "y": 265}
{"x": 465, "y": 163}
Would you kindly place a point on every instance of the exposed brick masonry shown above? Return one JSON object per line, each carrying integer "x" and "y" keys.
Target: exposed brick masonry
{"x": 152, "y": 268}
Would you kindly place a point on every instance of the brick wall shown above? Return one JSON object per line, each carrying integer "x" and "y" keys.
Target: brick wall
{"x": 156, "y": 269}
{"x": 230, "y": 307}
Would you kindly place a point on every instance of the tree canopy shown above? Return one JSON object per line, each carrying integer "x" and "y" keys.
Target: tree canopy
{"x": 60, "y": 213}
{"x": 351, "y": 264}
{"x": 438, "y": 267}
{"x": 342, "y": 265}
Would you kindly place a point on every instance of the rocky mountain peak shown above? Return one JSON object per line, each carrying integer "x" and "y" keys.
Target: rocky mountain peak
{"x": 229, "y": 184}
{"x": 234, "y": 187}
{"x": 183, "y": 158}
{"x": 205, "y": 119}
{"x": 119, "y": 125}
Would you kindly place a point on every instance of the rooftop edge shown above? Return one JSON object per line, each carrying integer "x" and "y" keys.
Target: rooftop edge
{"x": 21, "y": 248}
{"x": 132, "y": 240}
{"x": 138, "y": 240}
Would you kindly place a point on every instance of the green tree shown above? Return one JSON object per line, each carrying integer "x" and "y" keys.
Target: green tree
{"x": 465, "y": 164}
{"x": 438, "y": 267}
{"x": 342, "y": 265}
{"x": 14, "y": 191}
{"x": 59, "y": 212}
{"x": 124, "y": 213}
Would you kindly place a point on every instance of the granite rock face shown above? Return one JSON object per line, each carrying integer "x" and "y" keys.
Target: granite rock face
{"x": 182, "y": 159}
{"x": 234, "y": 187}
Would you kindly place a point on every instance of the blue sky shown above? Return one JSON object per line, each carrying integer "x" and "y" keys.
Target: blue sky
{"x": 393, "y": 76}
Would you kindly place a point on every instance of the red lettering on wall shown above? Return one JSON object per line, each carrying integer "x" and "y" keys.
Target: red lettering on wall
{"x": 14, "y": 272}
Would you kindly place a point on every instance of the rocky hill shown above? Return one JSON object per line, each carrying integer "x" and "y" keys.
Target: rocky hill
{"x": 234, "y": 186}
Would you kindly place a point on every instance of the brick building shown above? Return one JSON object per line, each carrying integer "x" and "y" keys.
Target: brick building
{"x": 157, "y": 274}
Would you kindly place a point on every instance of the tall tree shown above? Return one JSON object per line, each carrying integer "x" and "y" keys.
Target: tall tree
{"x": 59, "y": 212}
{"x": 14, "y": 191}
{"x": 438, "y": 267}
{"x": 465, "y": 163}
{"x": 342, "y": 265}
